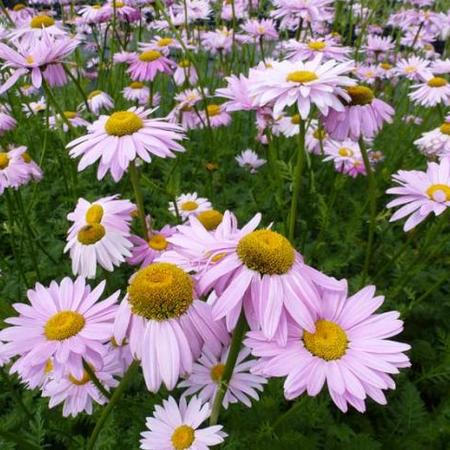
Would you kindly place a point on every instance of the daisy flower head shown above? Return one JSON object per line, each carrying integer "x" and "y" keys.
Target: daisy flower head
{"x": 315, "y": 138}
{"x": 216, "y": 114}
{"x": 164, "y": 323}
{"x": 307, "y": 10}
{"x": 349, "y": 350}
{"x": 363, "y": 116}
{"x": 411, "y": 67}
{"x": 237, "y": 94}
{"x": 264, "y": 29}
{"x": 125, "y": 12}
{"x": 7, "y": 122}
{"x": 137, "y": 92}
{"x": 190, "y": 204}
{"x": 250, "y": 160}
{"x": 218, "y": 41}
{"x": 302, "y": 83}
{"x": 185, "y": 73}
{"x": 327, "y": 47}
{"x": 33, "y": 171}
{"x": 436, "y": 142}
{"x": 73, "y": 118}
{"x": 176, "y": 427}
{"x": 431, "y": 91}
{"x": 207, "y": 374}
{"x": 377, "y": 45}
{"x": 117, "y": 140}
{"x": 421, "y": 193}
{"x": 346, "y": 156}
{"x": 98, "y": 100}
{"x": 287, "y": 125}
{"x": 146, "y": 65}
{"x": 144, "y": 252}
{"x": 13, "y": 169}
{"x": 64, "y": 323}
{"x": 93, "y": 14}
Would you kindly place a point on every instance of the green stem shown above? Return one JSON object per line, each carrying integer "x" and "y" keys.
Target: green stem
{"x": 51, "y": 100}
{"x": 129, "y": 375}
{"x": 297, "y": 181}
{"x": 95, "y": 380}
{"x": 134, "y": 176}
{"x": 78, "y": 86}
{"x": 235, "y": 347}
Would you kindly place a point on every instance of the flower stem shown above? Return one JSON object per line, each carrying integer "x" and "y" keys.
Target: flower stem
{"x": 134, "y": 176}
{"x": 109, "y": 407}
{"x": 297, "y": 180}
{"x": 235, "y": 346}
{"x": 95, "y": 380}
{"x": 373, "y": 206}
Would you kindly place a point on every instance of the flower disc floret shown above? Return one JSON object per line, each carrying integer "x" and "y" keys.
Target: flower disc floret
{"x": 360, "y": 95}
{"x": 217, "y": 372}
{"x": 136, "y": 85}
{"x": 158, "y": 242}
{"x": 122, "y": 123}
{"x": 183, "y": 437}
{"x": 63, "y": 325}
{"x": 41, "y": 21}
{"x": 149, "y": 56}
{"x": 80, "y": 382}
{"x": 439, "y": 192}
{"x": 210, "y": 219}
{"x": 94, "y": 214}
{"x": 91, "y": 233}
{"x": 301, "y": 76}
{"x": 4, "y": 160}
{"x": 445, "y": 128}
{"x": 70, "y": 114}
{"x": 190, "y": 205}
{"x": 296, "y": 119}
{"x": 164, "y": 42}
{"x": 329, "y": 341}
{"x": 160, "y": 291}
{"x": 317, "y": 45}
{"x": 213, "y": 110}
{"x": 437, "y": 82}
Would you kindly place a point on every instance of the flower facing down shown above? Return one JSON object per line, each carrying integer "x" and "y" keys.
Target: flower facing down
{"x": 349, "y": 350}
{"x": 117, "y": 140}
{"x": 249, "y": 160}
{"x": 421, "y": 193}
{"x": 64, "y": 323}
{"x": 176, "y": 427}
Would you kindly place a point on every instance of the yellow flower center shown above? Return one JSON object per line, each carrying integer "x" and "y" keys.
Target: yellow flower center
{"x": 29, "y": 59}
{"x": 217, "y": 372}
{"x": 63, "y": 325}
{"x": 439, "y": 192}
{"x": 317, "y": 45}
{"x": 320, "y": 134}
{"x": 183, "y": 437}
{"x": 210, "y": 219}
{"x": 70, "y": 114}
{"x": 96, "y": 6}
{"x": 301, "y": 76}
{"x": 84, "y": 379}
{"x": 164, "y": 42}
{"x": 94, "y": 214}
{"x": 149, "y": 56}
{"x": 436, "y": 82}
{"x": 329, "y": 342}
{"x": 48, "y": 366}
{"x": 119, "y": 4}
{"x": 123, "y": 123}
{"x": 266, "y": 251}
{"x": 136, "y": 85}
{"x": 94, "y": 94}
{"x": 4, "y": 160}
{"x": 160, "y": 291}
{"x": 190, "y": 205}
{"x": 445, "y": 128}
{"x": 213, "y": 110}
{"x": 158, "y": 242}
{"x": 386, "y": 66}
{"x": 360, "y": 95}
{"x": 410, "y": 69}
{"x": 41, "y": 22}
{"x": 19, "y": 7}
{"x": 91, "y": 233}
{"x": 295, "y": 119}
{"x": 26, "y": 157}
{"x": 184, "y": 63}
{"x": 345, "y": 151}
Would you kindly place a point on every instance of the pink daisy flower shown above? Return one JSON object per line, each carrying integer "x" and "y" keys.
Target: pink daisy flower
{"x": 421, "y": 193}
{"x": 98, "y": 100}
{"x": 411, "y": 67}
{"x": 64, "y": 323}
{"x": 218, "y": 116}
{"x": 118, "y": 139}
{"x": 308, "y": 50}
{"x": 34, "y": 172}
{"x": 72, "y": 116}
{"x": 185, "y": 112}
{"x": 349, "y": 350}
{"x": 346, "y": 156}
{"x": 174, "y": 427}
{"x": 218, "y": 41}
{"x": 13, "y": 169}
{"x": 146, "y": 65}
{"x": 190, "y": 204}
{"x": 432, "y": 91}
{"x": 124, "y": 12}
{"x": 36, "y": 28}
{"x": 207, "y": 374}
{"x": 304, "y": 83}
{"x": 137, "y": 92}
{"x": 7, "y": 122}
{"x": 165, "y": 324}
{"x": 237, "y": 93}
{"x": 260, "y": 29}
{"x": 250, "y": 160}
{"x": 185, "y": 73}
{"x": 144, "y": 251}
{"x": 364, "y": 116}
{"x": 436, "y": 142}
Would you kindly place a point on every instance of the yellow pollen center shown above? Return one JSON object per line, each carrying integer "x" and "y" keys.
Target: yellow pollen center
{"x": 320, "y": 134}
{"x": 158, "y": 242}
{"x": 160, "y": 291}
{"x": 317, "y": 45}
{"x": 91, "y": 233}
{"x": 436, "y": 82}
{"x": 185, "y": 63}
{"x": 266, "y": 251}
{"x": 119, "y": 4}
{"x": 29, "y": 59}
{"x": 96, "y": 6}
{"x": 386, "y": 66}
{"x": 136, "y": 85}
{"x": 445, "y": 128}
{"x": 183, "y": 437}
{"x": 301, "y": 76}
{"x": 410, "y": 69}
{"x": 4, "y": 160}
{"x": 94, "y": 94}
{"x": 63, "y": 325}
{"x": 123, "y": 123}
{"x": 26, "y": 157}
{"x": 210, "y": 219}
{"x": 94, "y": 214}
{"x": 295, "y": 119}
{"x": 439, "y": 192}
{"x": 41, "y": 22}
{"x": 217, "y": 372}
{"x": 345, "y": 151}
{"x": 84, "y": 379}
{"x": 70, "y": 114}
{"x": 19, "y": 7}
{"x": 164, "y": 42}
{"x": 190, "y": 205}
{"x": 329, "y": 342}
{"x": 149, "y": 56}
{"x": 213, "y": 110}
{"x": 360, "y": 95}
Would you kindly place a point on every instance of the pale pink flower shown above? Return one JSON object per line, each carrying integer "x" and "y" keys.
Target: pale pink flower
{"x": 13, "y": 169}
{"x": 190, "y": 204}
{"x": 436, "y": 142}
{"x": 98, "y": 100}
{"x": 237, "y": 93}
{"x": 248, "y": 159}
{"x": 146, "y": 65}
{"x": 327, "y": 47}
{"x": 137, "y": 92}
{"x": 432, "y": 91}
{"x": 346, "y": 156}
{"x": 260, "y": 29}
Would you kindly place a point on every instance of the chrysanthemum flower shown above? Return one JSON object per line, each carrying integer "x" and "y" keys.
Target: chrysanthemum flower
{"x": 165, "y": 324}
{"x": 237, "y": 93}
{"x": 185, "y": 73}
{"x": 37, "y": 28}
{"x": 13, "y": 170}
{"x": 218, "y": 116}
{"x": 72, "y": 116}
{"x": 287, "y": 125}
{"x": 137, "y": 92}
{"x": 33, "y": 108}
{"x": 436, "y": 142}
{"x": 421, "y": 193}
{"x": 146, "y": 65}
{"x": 350, "y": 350}
{"x": 326, "y": 47}
{"x": 294, "y": 10}
{"x": 190, "y": 204}
{"x": 316, "y": 138}
{"x": 207, "y": 373}
{"x": 250, "y": 160}
{"x": 218, "y": 41}
{"x": 304, "y": 83}
{"x": 124, "y": 12}
{"x": 33, "y": 171}
{"x": 431, "y": 92}
{"x": 346, "y": 156}
{"x": 260, "y": 29}
{"x": 174, "y": 427}
{"x": 362, "y": 117}
{"x": 377, "y": 45}
{"x": 185, "y": 111}
{"x": 64, "y": 323}
{"x": 144, "y": 251}
{"x": 93, "y": 14}
{"x": 118, "y": 139}
{"x": 98, "y": 100}
{"x": 411, "y": 67}
{"x": 7, "y": 122}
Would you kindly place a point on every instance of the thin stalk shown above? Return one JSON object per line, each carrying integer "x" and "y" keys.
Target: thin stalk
{"x": 235, "y": 347}
{"x": 95, "y": 380}
{"x": 134, "y": 176}
{"x": 51, "y": 100}
{"x": 78, "y": 86}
